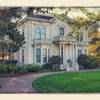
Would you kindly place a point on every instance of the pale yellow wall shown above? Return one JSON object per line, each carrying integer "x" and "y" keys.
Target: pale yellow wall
{"x": 52, "y": 30}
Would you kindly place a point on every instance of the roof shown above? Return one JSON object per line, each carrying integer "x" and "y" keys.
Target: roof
{"x": 45, "y": 17}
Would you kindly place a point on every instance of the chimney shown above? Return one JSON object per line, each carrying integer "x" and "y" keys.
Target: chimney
{"x": 30, "y": 12}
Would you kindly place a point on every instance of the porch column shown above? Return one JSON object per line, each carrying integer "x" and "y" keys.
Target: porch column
{"x": 68, "y": 56}
{"x": 73, "y": 53}
{"x": 60, "y": 55}
{"x": 60, "y": 49}
{"x": 76, "y": 52}
{"x": 70, "y": 52}
{"x": 76, "y": 56}
{"x": 41, "y": 55}
{"x": 47, "y": 55}
{"x": 63, "y": 53}
{"x": 34, "y": 54}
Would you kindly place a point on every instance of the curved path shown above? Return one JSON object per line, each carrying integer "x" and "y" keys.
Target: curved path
{"x": 21, "y": 84}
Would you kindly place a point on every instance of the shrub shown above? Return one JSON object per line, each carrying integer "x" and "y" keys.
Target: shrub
{"x": 93, "y": 62}
{"x": 8, "y": 68}
{"x": 55, "y": 61}
{"x": 21, "y": 70}
{"x": 2, "y": 69}
{"x": 32, "y": 68}
{"x": 11, "y": 62}
{"x": 47, "y": 66}
{"x": 12, "y": 68}
{"x": 83, "y": 60}
{"x": 88, "y": 62}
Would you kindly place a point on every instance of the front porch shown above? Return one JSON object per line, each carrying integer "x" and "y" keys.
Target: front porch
{"x": 68, "y": 51}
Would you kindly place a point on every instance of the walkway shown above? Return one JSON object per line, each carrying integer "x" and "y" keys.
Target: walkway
{"x": 22, "y": 84}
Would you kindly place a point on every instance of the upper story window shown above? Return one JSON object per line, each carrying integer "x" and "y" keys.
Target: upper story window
{"x": 80, "y": 37}
{"x": 40, "y": 32}
{"x": 61, "y": 31}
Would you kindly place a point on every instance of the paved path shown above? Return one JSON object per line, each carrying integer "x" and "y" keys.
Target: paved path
{"x": 21, "y": 84}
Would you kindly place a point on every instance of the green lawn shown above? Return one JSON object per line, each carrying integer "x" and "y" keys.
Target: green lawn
{"x": 73, "y": 82}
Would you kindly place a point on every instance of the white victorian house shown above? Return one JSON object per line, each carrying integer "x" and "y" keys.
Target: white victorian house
{"x": 46, "y": 36}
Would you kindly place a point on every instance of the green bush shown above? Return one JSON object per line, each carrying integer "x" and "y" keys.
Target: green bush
{"x": 55, "y": 61}
{"x": 47, "y": 66}
{"x": 83, "y": 60}
{"x": 12, "y": 68}
{"x": 21, "y": 70}
{"x": 32, "y": 68}
{"x": 2, "y": 69}
{"x": 93, "y": 62}
{"x": 88, "y": 62}
{"x": 8, "y": 68}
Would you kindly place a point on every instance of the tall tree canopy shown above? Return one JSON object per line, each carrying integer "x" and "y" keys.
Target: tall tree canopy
{"x": 10, "y": 38}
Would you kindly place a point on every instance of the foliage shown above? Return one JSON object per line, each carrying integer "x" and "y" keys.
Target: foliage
{"x": 93, "y": 62}
{"x": 10, "y": 38}
{"x": 8, "y": 68}
{"x": 32, "y": 68}
{"x": 11, "y": 62}
{"x": 55, "y": 61}
{"x": 47, "y": 66}
{"x": 13, "y": 69}
{"x": 88, "y": 62}
{"x": 83, "y": 60}
{"x": 94, "y": 46}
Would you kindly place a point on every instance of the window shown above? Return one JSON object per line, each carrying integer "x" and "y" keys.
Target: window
{"x": 43, "y": 33}
{"x": 80, "y": 37}
{"x": 61, "y": 31}
{"x": 40, "y": 32}
{"x": 38, "y": 55}
{"x": 44, "y": 55}
{"x": 79, "y": 52}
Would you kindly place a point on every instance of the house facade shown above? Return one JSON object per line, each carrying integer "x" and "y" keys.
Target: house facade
{"x": 46, "y": 36}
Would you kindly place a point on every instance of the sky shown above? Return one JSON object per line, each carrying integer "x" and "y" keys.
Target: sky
{"x": 77, "y": 12}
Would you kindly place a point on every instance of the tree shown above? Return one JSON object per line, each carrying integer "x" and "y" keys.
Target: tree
{"x": 10, "y": 18}
{"x": 14, "y": 40}
{"x": 94, "y": 46}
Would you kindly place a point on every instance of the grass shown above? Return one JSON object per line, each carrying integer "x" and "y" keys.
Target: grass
{"x": 73, "y": 82}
